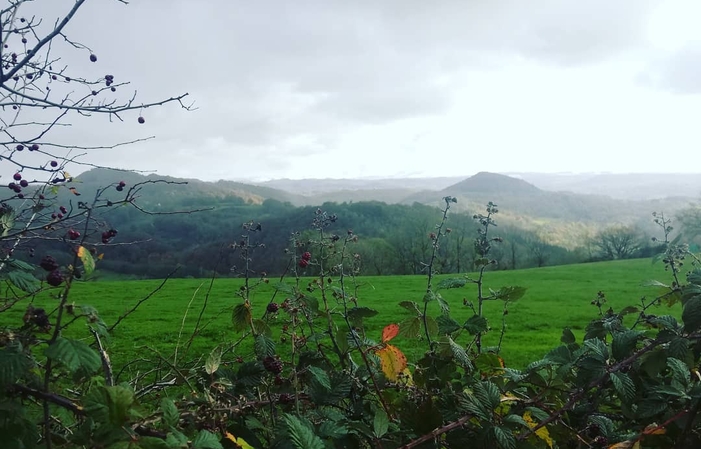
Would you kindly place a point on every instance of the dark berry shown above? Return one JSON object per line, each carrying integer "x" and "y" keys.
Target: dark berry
{"x": 54, "y": 164}
{"x": 59, "y": 216}
{"x": 42, "y": 197}
{"x": 286, "y": 398}
{"x": 12, "y": 186}
{"x": 303, "y": 263}
{"x": 94, "y": 92}
{"x": 278, "y": 380}
{"x": 112, "y": 233}
{"x": 113, "y": 89}
{"x": 20, "y": 195}
{"x": 24, "y": 40}
{"x": 34, "y": 147}
{"x": 54, "y": 216}
{"x": 48, "y": 263}
{"x": 119, "y": 188}
{"x": 17, "y": 176}
{"x": 142, "y": 120}
{"x": 68, "y": 79}
{"x": 122, "y": 183}
{"x": 272, "y": 307}
{"x": 93, "y": 58}
{"x": 55, "y": 278}
{"x": 272, "y": 365}
{"x": 73, "y": 234}
{"x": 54, "y": 77}
{"x": 19, "y": 147}
{"x": 307, "y": 256}
{"x": 63, "y": 209}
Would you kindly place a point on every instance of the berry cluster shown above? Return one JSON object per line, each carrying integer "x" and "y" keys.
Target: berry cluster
{"x": 17, "y": 186}
{"x": 73, "y": 234}
{"x": 48, "y": 263}
{"x": 54, "y": 278}
{"x": 38, "y": 317}
{"x": 273, "y": 307}
{"x": 120, "y": 186}
{"x": 304, "y": 261}
{"x": 107, "y": 235}
{"x": 272, "y": 365}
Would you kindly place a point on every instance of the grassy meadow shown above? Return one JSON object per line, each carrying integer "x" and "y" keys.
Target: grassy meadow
{"x": 557, "y": 297}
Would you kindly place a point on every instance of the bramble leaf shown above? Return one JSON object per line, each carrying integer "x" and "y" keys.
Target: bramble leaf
{"x": 392, "y": 361}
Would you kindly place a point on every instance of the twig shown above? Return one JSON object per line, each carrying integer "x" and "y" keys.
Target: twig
{"x": 106, "y": 365}
{"x": 142, "y": 300}
{"x": 435, "y": 433}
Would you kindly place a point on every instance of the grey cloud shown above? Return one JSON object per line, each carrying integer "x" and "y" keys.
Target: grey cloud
{"x": 679, "y": 72}
{"x": 267, "y": 75}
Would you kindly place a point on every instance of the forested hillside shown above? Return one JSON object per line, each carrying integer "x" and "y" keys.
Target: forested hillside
{"x": 193, "y": 225}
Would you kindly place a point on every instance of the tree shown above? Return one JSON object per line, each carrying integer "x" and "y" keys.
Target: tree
{"x": 618, "y": 242}
{"x": 690, "y": 220}
{"x": 40, "y": 95}
{"x": 539, "y": 250}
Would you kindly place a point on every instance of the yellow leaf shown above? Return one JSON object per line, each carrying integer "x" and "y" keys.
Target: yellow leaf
{"x": 240, "y": 442}
{"x": 541, "y": 433}
{"x": 87, "y": 259}
{"x": 654, "y": 429}
{"x": 392, "y": 361}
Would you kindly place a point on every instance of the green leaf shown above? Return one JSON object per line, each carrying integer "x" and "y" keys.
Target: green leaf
{"x": 679, "y": 348}
{"x": 624, "y": 343}
{"x": 429, "y": 296}
{"x": 694, "y": 277}
{"x": 654, "y": 283}
{"x": 460, "y": 354}
{"x": 654, "y": 361}
{"x": 650, "y": 407}
{"x": 206, "y": 440}
{"x": 263, "y": 346}
{"x": 560, "y": 355}
{"x": 171, "y": 415}
{"x": 510, "y": 293}
{"x": 7, "y": 220}
{"x": 411, "y": 306}
{"x": 333, "y": 430}
{"x": 691, "y": 314}
{"x": 14, "y": 364}
{"x": 211, "y": 365}
{"x": 111, "y": 405}
{"x": 445, "y": 307}
{"x": 356, "y": 314}
{"x": 476, "y": 325}
{"x": 250, "y": 374}
{"x": 380, "y": 424}
{"x": 284, "y": 288}
{"x": 20, "y": 265}
{"x": 411, "y": 327}
{"x": 568, "y": 337}
{"x": 431, "y": 325}
{"x": 24, "y": 281}
{"x": 320, "y": 377}
{"x": 505, "y": 439}
{"x": 452, "y": 283}
{"x": 301, "y": 434}
{"x": 74, "y": 355}
{"x": 489, "y": 364}
{"x": 624, "y": 386}
{"x": 241, "y": 317}
{"x": 447, "y": 325}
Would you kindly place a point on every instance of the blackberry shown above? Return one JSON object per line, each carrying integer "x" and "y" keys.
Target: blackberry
{"x": 48, "y": 263}
{"x": 272, "y": 365}
{"x": 273, "y": 307}
{"x": 55, "y": 278}
{"x": 307, "y": 256}
{"x": 286, "y": 398}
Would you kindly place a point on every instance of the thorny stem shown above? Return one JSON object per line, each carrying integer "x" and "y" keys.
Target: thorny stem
{"x": 429, "y": 282}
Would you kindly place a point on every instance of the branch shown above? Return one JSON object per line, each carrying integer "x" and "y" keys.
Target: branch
{"x": 56, "y": 399}
{"x": 42, "y": 42}
{"x": 435, "y": 433}
{"x": 142, "y": 300}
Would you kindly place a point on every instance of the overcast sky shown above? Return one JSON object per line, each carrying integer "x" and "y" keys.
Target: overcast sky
{"x": 359, "y": 88}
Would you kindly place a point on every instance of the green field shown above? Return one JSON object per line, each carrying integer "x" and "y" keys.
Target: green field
{"x": 557, "y": 297}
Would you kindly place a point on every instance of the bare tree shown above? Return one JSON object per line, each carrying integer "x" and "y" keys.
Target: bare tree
{"x": 40, "y": 95}
{"x": 618, "y": 242}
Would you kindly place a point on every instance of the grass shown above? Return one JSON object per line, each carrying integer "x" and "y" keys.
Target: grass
{"x": 557, "y": 297}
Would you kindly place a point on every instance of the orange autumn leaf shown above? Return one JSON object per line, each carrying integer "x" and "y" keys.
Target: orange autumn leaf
{"x": 389, "y": 332}
{"x": 392, "y": 361}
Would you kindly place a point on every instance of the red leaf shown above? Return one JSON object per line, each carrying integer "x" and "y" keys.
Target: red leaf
{"x": 389, "y": 332}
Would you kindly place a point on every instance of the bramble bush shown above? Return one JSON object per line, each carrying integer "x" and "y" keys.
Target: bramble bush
{"x": 318, "y": 376}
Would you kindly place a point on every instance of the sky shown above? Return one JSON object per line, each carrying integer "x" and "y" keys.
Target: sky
{"x": 393, "y": 88}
